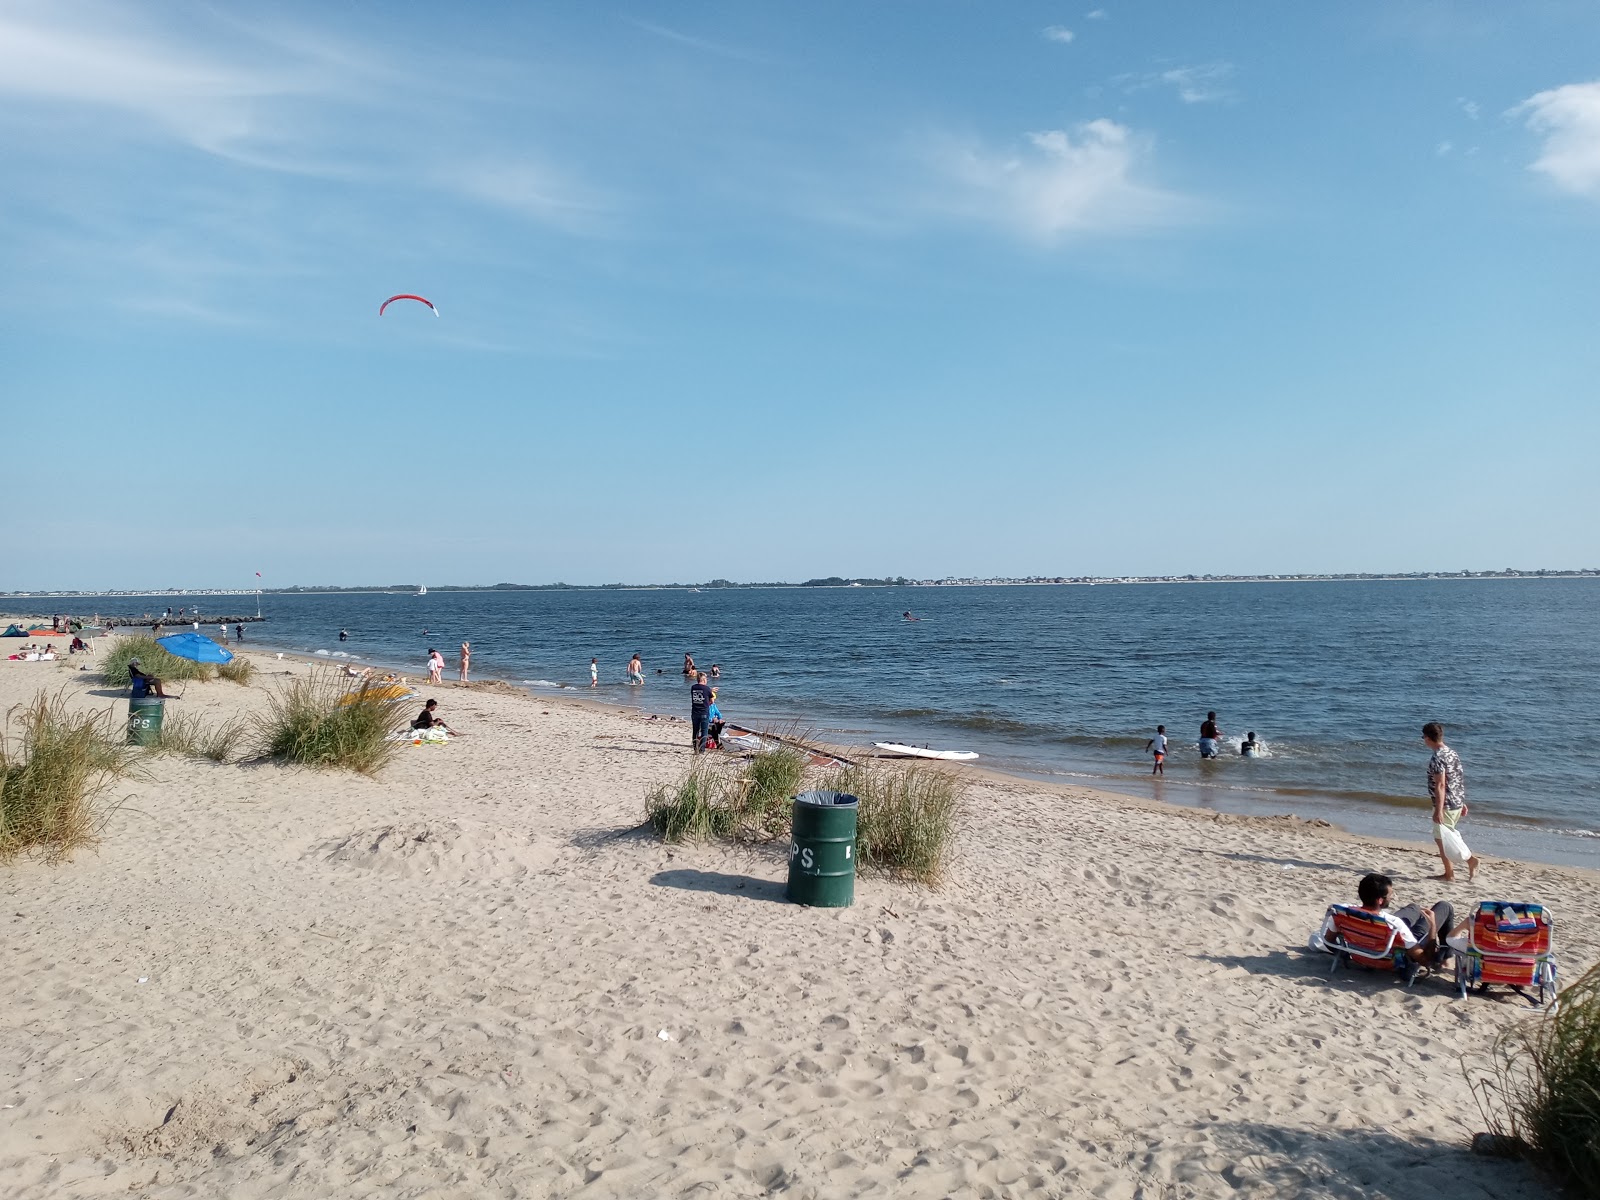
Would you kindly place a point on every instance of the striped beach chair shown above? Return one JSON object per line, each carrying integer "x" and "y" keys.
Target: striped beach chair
{"x": 1360, "y": 939}
{"x": 1510, "y": 944}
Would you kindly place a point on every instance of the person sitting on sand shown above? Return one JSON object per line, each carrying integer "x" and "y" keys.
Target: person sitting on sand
{"x": 1422, "y": 930}
{"x": 143, "y": 685}
{"x": 426, "y": 719}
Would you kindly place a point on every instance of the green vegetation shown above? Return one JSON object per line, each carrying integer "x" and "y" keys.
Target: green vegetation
{"x": 185, "y": 733}
{"x": 153, "y": 660}
{"x": 315, "y": 722}
{"x": 698, "y": 808}
{"x": 240, "y": 671}
{"x": 906, "y": 821}
{"x": 905, "y": 826}
{"x": 53, "y": 774}
{"x": 1543, "y": 1089}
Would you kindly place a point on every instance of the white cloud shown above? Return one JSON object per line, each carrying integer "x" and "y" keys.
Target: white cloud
{"x": 1058, "y": 184}
{"x": 1202, "y": 83}
{"x": 1058, "y": 33}
{"x": 1568, "y": 118}
{"x": 1442, "y": 149}
{"x": 1098, "y": 14}
{"x": 1470, "y": 107}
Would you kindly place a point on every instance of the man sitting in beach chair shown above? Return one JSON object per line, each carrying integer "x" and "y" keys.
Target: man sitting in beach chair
{"x": 142, "y": 685}
{"x": 1371, "y": 935}
{"x": 1508, "y": 944}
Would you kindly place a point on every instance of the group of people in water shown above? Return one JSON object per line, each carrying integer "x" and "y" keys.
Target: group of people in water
{"x": 1210, "y": 740}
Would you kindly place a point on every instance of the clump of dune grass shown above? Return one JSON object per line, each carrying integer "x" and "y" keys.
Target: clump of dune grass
{"x": 153, "y": 661}
{"x": 1541, "y": 1088}
{"x": 188, "y": 734}
{"x": 315, "y": 722}
{"x": 55, "y": 767}
{"x": 697, "y": 808}
{"x": 239, "y": 671}
{"x": 906, "y": 821}
{"x": 766, "y": 784}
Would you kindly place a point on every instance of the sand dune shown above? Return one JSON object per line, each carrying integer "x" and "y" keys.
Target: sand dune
{"x": 474, "y": 976}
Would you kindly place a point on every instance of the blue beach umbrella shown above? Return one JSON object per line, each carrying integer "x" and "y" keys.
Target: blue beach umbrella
{"x": 194, "y": 647}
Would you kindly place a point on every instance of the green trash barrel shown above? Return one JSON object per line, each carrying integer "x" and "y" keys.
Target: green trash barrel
{"x": 144, "y": 720}
{"x": 822, "y": 850}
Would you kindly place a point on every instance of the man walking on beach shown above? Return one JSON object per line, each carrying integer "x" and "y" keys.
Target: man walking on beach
{"x": 699, "y": 710}
{"x": 1209, "y": 733}
{"x": 1447, "y": 788}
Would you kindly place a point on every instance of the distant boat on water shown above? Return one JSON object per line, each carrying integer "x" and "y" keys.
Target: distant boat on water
{"x": 421, "y": 590}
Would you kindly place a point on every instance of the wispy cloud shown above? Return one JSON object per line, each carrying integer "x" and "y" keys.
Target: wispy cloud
{"x": 1058, "y": 33}
{"x": 1568, "y": 119}
{"x": 695, "y": 42}
{"x": 1469, "y": 107}
{"x": 1096, "y": 14}
{"x": 1201, "y": 83}
{"x": 1058, "y": 183}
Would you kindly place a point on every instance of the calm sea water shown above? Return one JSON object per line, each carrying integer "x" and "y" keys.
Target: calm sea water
{"x": 1070, "y": 682}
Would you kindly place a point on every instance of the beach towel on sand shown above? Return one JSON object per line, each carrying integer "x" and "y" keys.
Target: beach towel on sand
{"x": 421, "y": 737}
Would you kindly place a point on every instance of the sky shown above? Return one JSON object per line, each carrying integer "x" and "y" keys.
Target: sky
{"x": 775, "y": 291}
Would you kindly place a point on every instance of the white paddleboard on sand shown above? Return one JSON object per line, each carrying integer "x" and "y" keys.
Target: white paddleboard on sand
{"x": 924, "y": 752}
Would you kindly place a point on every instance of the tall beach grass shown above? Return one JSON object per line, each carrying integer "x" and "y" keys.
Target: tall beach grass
{"x": 906, "y": 822}
{"x": 188, "y": 734}
{"x": 240, "y": 671}
{"x": 315, "y": 722}
{"x": 55, "y": 768}
{"x": 1542, "y": 1086}
{"x": 153, "y": 661}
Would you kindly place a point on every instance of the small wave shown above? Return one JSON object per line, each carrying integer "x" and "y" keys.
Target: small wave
{"x": 324, "y": 653}
{"x": 544, "y": 683}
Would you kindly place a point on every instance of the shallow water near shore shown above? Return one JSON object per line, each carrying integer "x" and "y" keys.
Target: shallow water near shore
{"x": 1068, "y": 683}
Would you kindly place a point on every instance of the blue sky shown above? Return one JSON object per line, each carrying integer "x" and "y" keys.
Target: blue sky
{"x": 772, "y": 291}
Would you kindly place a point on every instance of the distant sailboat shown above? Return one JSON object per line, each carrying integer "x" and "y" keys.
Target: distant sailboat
{"x": 421, "y": 590}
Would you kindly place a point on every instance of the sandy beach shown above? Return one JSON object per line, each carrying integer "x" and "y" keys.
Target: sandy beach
{"x": 475, "y": 975}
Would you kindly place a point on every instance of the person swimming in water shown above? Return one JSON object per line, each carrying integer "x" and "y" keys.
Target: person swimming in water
{"x": 1250, "y": 748}
{"x": 909, "y": 617}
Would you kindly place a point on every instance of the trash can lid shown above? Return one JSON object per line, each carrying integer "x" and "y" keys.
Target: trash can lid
{"x": 828, "y": 799}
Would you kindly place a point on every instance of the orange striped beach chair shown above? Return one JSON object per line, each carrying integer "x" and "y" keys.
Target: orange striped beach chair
{"x": 1509, "y": 944}
{"x": 1362, "y": 940}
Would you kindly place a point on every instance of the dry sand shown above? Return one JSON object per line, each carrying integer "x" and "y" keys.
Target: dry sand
{"x": 475, "y": 977}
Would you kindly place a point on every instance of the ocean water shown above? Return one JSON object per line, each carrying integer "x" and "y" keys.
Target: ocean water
{"x": 1068, "y": 683}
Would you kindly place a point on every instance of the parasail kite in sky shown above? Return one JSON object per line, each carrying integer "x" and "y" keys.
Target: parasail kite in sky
{"x": 407, "y": 296}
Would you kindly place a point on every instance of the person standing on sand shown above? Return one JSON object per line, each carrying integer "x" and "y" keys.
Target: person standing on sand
{"x": 1209, "y": 733}
{"x": 1158, "y": 745}
{"x": 1447, "y": 788}
{"x": 466, "y": 659}
{"x": 699, "y": 711}
{"x": 594, "y": 672}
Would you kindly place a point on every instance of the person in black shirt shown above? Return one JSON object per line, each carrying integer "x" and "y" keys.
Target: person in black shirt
{"x": 699, "y": 707}
{"x": 141, "y": 684}
{"x": 427, "y": 720}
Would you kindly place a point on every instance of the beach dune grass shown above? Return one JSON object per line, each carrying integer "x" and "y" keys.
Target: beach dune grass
{"x": 315, "y": 722}
{"x": 55, "y": 767}
{"x": 906, "y": 821}
{"x": 241, "y": 670}
{"x": 153, "y": 661}
{"x": 1543, "y": 1088}
{"x": 697, "y": 808}
{"x": 188, "y": 734}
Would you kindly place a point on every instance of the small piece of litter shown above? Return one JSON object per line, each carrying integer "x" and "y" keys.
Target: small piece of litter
{"x": 144, "y": 979}
{"x": 1288, "y": 866}
{"x": 664, "y": 1036}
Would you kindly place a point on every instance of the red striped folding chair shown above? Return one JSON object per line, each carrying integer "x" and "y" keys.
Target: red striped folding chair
{"x": 1360, "y": 939}
{"x": 1508, "y": 944}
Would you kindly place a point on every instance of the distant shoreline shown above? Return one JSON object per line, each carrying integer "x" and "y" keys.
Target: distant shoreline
{"x": 719, "y": 586}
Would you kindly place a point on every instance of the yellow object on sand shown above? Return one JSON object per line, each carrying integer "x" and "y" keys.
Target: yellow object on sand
{"x": 390, "y": 691}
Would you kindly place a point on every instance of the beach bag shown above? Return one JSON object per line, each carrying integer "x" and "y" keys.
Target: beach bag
{"x": 1455, "y": 848}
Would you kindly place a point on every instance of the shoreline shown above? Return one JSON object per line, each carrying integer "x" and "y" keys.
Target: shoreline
{"x": 1540, "y": 845}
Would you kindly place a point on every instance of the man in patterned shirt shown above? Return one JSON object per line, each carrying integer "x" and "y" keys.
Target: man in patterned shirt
{"x": 1447, "y": 788}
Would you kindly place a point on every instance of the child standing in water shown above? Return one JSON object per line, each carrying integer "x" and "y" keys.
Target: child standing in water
{"x": 1159, "y": 744}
